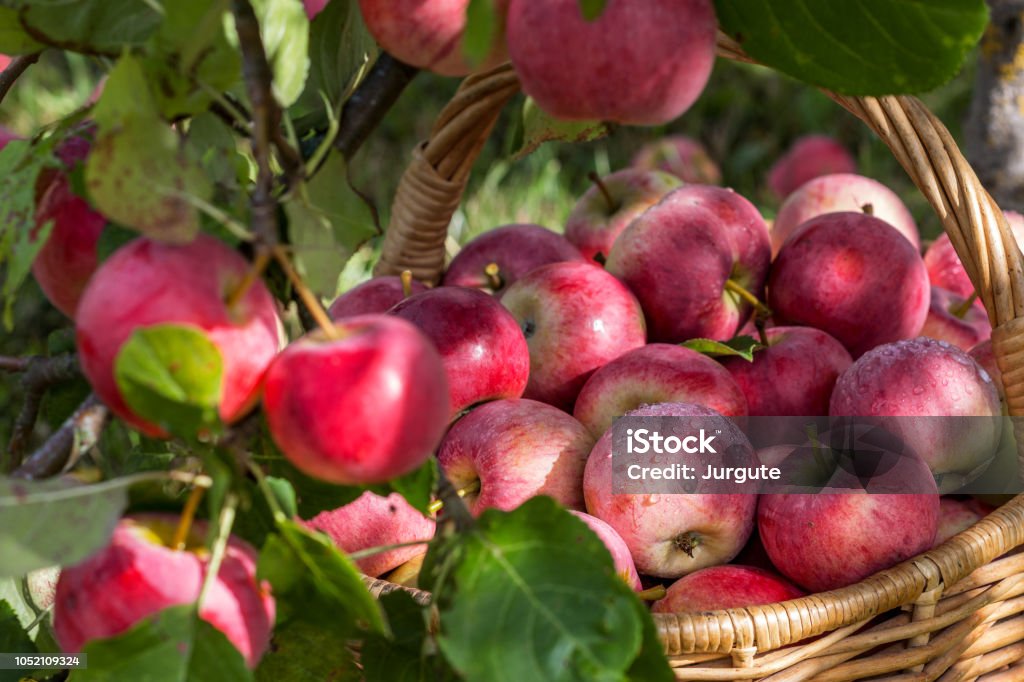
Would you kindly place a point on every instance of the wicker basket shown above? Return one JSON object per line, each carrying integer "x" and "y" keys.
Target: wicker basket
{"x": 953, "y": 613}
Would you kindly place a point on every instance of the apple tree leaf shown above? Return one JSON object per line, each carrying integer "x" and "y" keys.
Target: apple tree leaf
{"x": 741, "y": 346}
{"x": 174, "y": 645}
{"x": 139, "y": 174}
{"x": 313, "y": 581}
{"x": 301, "y": 651}
{"x": 481, "y": 30}
{"x": 170, "y": 375}
{"x": 539, "y": 593}
{"x": 191, "y": 55}
{"x": 327, "y": 223}
{"x": 13, "y": 637}
{"x": 58, "y": 521}
{"x": 339, "y": 47}
{"x": 540, "y": 127}
{"x": 284, "y": 28}
{"x": 20, "y": 238}
{"x": 870, "y": 47}
{"x": 89, "y": 26}
{"x": 13, "y": 38}
{"x": 404, "y": 655}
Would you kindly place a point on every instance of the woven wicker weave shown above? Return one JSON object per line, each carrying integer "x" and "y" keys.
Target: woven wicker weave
{"x": 961, "y": 606}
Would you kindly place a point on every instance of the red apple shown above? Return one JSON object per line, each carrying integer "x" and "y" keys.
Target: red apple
{"x": 793, "y": 376}
{"x": 624, "y": 565}
{"x": 514, "y": 250}
{"x": 852, "y": 276}
{"x": 725, "y": 587}
{"x": 956, "y": 515}
{"x": 682, "y": 156}
{"x": 427, "y": 34}
{"x": 641, "y": 63}
{"x": 682, "y": 255}
{"x": 656, "y": 373}
{"x": 376, "y": 295}
{"x": 576, "y": 318}
{"x": 842, "y": 192}
{"x": 810, "y": 157}
{"x": 373, "y": 521}
{"x": 139, "y": 574}
{"x": 364, "y": 407}
{"x": 605, "y": 210}
{"x": 481, "y": 345}
{"x": 955, "y": 320}
{"x": 67, "y": 259}
{"x": 944, "y": 267}
{"x": 934, "y": 397}
{"x": 672, "y": 534}
{"x": 507, "y": 451}
{"x": 827, "y": 540}
{"x": 146, "y": 283}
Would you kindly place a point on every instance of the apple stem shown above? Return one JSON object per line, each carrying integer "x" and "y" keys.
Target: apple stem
{"x": 759, "y": 325}
{"x": 603, "y": 189}
{"x": 734, "y": 287}
{"x": 370, "y": 551}
{"x": 652, "y": 593}
{"x": 220, "y": 545}
{"x": 493, "y": 274}
{"x": 868, "y": 209}
{"x": 960, "y": 310}
{"x": 254, "y": 272}
{"x": 308, "y": 299}
{"x": 406, "y": 278}
{"x": 180, "y": 540}
{"x": 688, "y": 542}
{"x": 471, "y": 489}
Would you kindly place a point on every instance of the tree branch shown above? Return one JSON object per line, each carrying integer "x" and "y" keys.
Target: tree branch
{"x": 376, "y": 94}
{"x": 14, "y": 364}
{"x": 14, "y": 70}
{"x": 40, "y": 374}
{"x": 53, "y": 455}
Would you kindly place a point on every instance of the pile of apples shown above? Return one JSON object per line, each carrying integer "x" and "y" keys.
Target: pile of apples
{"x": 512, "y": 371}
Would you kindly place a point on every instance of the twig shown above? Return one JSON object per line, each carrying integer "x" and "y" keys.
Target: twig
{"x": 14, "y": 70}
{"x": 309, "y": 300}
{"x": 374, "y": 96}
{"x": 52, "y": 456}
{"x": 14, "y": 364}
{"x": 266, "y": 117}
{"x": 220, "y": 545}
{"x": 40, "y": 374}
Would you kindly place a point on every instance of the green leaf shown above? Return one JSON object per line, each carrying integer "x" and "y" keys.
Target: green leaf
{"x": 139, "y": 174}
{"x": 88, "y": 26}
{"x": 539, "y": 593}
{"x": 13, "y": 38}
{"x": 191, "y": 55}
{"x": 327, "y": 222}
{"x": 284, "y": 28}
{"x": 20, "y": 240}
{"x": 539, "y": 127}
{"x": 481, "y": 30}
{"x": 403, "y": 656}
{"x": 13, "y": 638}
{"x": 175, "y": 645}
{"x": 111, "y": 239}
{"x": 741, "y": 346}
{"x": 170, "y": 374}
{"x": 340, "y": 47}
{"x": 315, "y": 582}
{"x": 591, "y": 8}
{"x": 302, "y": 652}
{"x": 57, "y": 521}
{"x": 284, "y": 493}
{"x": 870, "y": 47}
